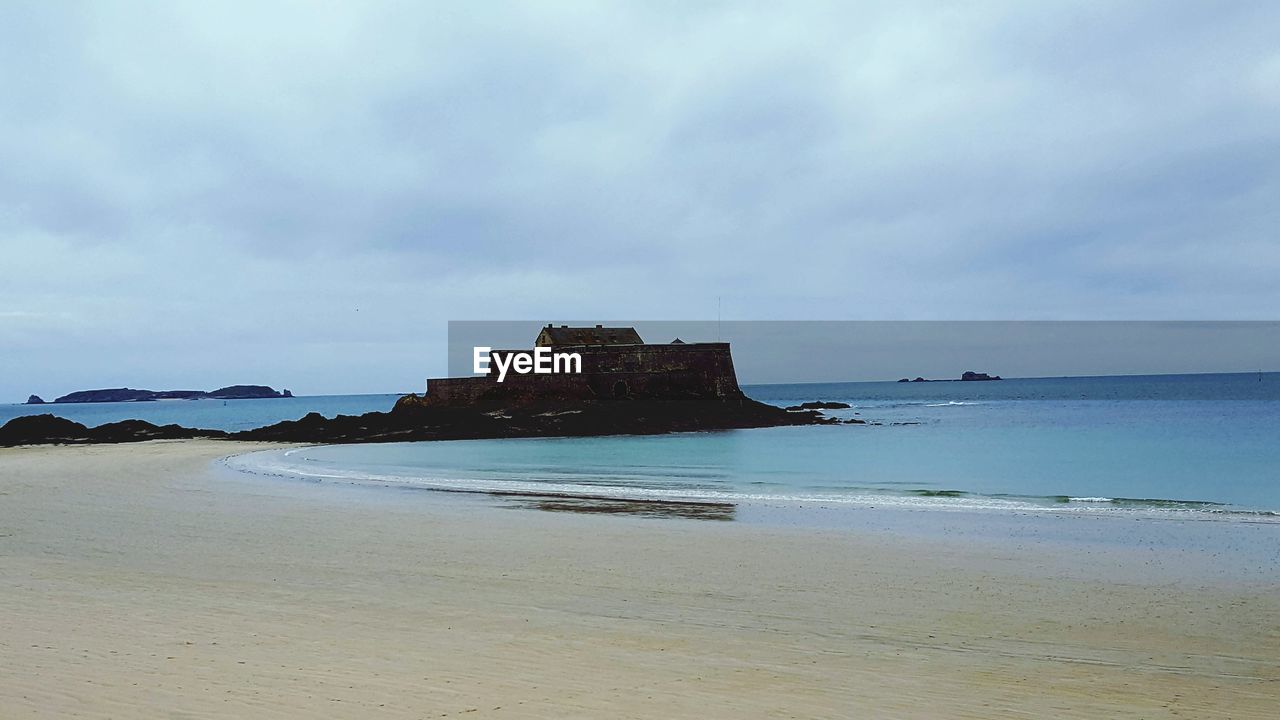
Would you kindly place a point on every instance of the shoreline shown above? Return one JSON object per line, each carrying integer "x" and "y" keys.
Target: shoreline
{"x": 318, "y": 469}
{"x": 1187, "y": 547}
{"x": 146, "y": 581}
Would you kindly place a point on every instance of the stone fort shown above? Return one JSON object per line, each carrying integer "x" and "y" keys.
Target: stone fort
{"x": 617, "y": 365}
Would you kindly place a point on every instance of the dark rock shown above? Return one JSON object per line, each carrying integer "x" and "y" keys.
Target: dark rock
{"x": 970, "y": 376}
{"x": 286, "y": 393}
{"x": 45, "y": 429}
{"x": 820, "y": 405}
{"x": 414, "y": 419}
{"x": 905, "y": 380}
{"x": 35, "y": 400}
{"x": 34, "y": 429}
{"x": 919, "y": 379}
{"x": 139, "y": 430}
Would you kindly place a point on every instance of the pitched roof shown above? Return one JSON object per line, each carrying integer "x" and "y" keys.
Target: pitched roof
{"x": 598, "y": 335}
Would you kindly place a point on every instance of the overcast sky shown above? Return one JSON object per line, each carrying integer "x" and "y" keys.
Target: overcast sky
{"x": 778, "y": 351}
{"x": 302, "y": 194}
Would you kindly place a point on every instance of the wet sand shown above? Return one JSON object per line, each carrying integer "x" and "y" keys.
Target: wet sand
{"x": 143, "y": 581}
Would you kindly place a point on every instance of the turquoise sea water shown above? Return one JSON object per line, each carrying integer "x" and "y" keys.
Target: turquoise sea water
{"x": 1193, "y": 446}
{"x": 208, "y": 414}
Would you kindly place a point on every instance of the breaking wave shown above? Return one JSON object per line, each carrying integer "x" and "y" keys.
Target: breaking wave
{"x": 289, "y": 464}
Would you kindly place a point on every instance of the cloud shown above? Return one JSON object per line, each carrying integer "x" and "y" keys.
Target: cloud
{"x": 343, "y": 178}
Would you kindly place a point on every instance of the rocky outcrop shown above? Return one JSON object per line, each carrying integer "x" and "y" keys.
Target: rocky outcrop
{"x": 46, "y": 429}
{"x": 41, "y": 429}
{"x": 820, "y": 405}
{"x": 415, "y": 419}
{"x": 139, "y": 430}
{"x": 35, "y": 400}
{"x": 231, "y": 392}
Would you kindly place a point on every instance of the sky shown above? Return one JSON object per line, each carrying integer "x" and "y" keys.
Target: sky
{"x": 303, "y": 194}
{"x": 790, "y": 351}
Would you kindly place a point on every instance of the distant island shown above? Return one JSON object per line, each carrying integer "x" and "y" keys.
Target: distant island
{"x": 968, "y": 376}
{"x": 231, "y": 392}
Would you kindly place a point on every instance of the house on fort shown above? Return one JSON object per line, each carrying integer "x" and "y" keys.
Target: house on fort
{"x": 565, "y": 336}
{"x": 616, "y": 365}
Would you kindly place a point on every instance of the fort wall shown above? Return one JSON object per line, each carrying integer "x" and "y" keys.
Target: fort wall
{"x": 609, "y": 372}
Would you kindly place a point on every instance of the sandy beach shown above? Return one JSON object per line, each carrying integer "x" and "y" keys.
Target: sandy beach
{"x": 144, "y": 580}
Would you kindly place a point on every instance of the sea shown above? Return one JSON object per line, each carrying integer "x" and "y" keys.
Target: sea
{"x": 1204, "y": 447}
